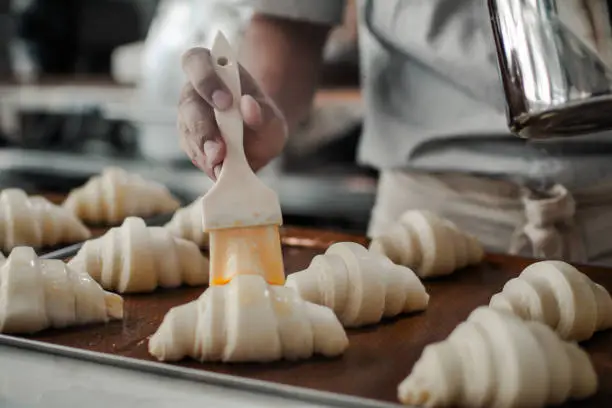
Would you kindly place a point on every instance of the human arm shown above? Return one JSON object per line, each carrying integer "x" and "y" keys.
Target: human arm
{"x": 287, "y": 67}
{"x": 283, "y": 56}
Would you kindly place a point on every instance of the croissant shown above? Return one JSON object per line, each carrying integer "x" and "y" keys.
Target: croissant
{"x": 248, "y": 320}
{"x": 134, "y": 258}
{"x": 187, "y": 223}
{"x": 36, "y": 222}
{"x": 360, "y": 286}
{"x": 37, "y": 294}
{"x": 116, "y": 194}
{"x": 558, "y": 295}
{"x": 429, "y": 245}
{"x": 495, "y": 359}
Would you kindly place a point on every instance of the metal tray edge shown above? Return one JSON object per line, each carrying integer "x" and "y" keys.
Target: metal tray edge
{"x": 72, "y": 249}
{"x": 207, "y": 377}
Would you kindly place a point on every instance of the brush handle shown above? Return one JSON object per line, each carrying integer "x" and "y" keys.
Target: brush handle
{"x": 230, "y": 121}
{"x": 239, "y": 197}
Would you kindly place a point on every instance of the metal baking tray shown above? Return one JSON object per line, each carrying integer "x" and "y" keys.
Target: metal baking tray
{"x": 207, "y": 377}
{"x": 309, "y": 239}
{"x": 379, "y": 356}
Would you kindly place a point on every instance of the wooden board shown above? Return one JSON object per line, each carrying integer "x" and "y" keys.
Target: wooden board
{"x": 379, "y": 357}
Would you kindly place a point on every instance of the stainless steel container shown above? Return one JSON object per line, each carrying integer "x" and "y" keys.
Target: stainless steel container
{"x": 555, "y": 59}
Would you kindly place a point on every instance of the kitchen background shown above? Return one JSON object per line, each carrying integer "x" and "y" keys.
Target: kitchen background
{"x": 85, "y": 84}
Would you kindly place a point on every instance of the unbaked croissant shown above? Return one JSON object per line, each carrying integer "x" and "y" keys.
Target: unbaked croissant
{"x": 187, "y": 223}
{"x": 116, "y": 194}
{"x": 558, "y": 295}
{"x": 248, "y": 320}
{"x": 36, "y": 222}
{"x": 360, "y": 286}
{"x": 428, "y": 244}
{"x": 36, "y": 294}
{"x": 495, "y": 359}
{"x": 135, "y": 258}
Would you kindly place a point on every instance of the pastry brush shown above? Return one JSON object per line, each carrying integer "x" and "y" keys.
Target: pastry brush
{"x": 241, "y": 214}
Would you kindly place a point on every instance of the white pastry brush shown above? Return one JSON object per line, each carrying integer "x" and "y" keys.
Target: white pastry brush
{"x": 241, "y": 214}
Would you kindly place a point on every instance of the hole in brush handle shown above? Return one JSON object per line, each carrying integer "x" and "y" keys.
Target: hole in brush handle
{"x": 222, "y": 61}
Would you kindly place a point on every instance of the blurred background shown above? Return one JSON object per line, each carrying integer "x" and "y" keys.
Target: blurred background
{"x": 85, "y": 84}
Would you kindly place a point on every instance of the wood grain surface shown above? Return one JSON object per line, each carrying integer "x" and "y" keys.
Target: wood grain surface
{"x": 379, "y": 357}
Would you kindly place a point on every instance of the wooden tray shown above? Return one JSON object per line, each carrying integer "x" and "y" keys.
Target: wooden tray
{"x": 378, "y": 358}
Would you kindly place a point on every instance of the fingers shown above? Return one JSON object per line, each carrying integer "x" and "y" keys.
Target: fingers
{"x": 258, "y": 113}
{"x": 214, "y": 153}
{"x": 189, "y": 145}
{"x": 268, "y": 130}
{"x": 199, "y": 69}
{"x": 199, "y": 134}
{"x": 198, "y": 66}
{"x": 197, "y": 116}
{"x": 251, "y": 111}
{"x": 200, "y": 137}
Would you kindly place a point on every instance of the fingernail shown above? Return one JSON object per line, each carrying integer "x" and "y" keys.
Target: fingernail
{"x": 222, "y": 100}
{"x": 251, "y": 110}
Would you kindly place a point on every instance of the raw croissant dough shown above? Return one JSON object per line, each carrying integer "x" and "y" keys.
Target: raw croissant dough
{"x": 116, "y": 194}
{"x": 360, "y": 286}
{"x": 429, "y": 245}
{"x": 496, "y": 359}
{"x": 187, "y": 223}
{"x": 36, "y": 294}
{"x": 136, "y": 258}
{"x": 248, "y": 320}
{"x": 558, "y": 295}
{"x": 36, "y": 222}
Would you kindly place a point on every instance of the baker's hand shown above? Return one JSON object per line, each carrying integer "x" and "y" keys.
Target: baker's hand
{"x": 265, "y": 128}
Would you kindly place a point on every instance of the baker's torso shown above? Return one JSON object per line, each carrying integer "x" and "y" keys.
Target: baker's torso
{"x": 435, "y": 102}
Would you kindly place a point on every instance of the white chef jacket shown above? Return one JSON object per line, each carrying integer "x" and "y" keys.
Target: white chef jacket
{"x": 433, "y": 96}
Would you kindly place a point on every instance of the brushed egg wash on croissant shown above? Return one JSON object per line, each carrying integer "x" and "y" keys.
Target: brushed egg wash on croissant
{"x": 246, "y": 314}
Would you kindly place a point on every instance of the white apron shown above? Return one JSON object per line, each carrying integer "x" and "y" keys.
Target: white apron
{"x": 574, "y": 226}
